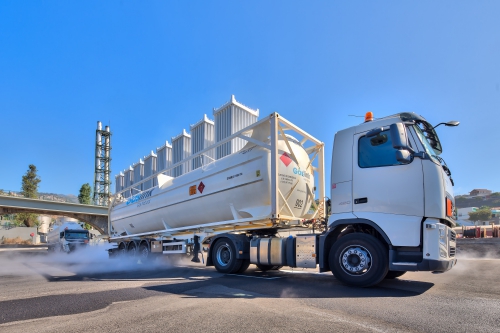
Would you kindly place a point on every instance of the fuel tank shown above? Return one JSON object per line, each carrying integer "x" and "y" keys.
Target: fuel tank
{"x": 233, "y": 188}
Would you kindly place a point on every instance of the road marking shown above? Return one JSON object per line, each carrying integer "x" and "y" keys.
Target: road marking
{"x": 256, "y": 277}
{"x": 141, "y": 280}
{"x": 305, "y": 272}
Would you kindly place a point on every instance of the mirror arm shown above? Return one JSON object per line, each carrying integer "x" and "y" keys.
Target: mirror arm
{"x": 421, "y": 155}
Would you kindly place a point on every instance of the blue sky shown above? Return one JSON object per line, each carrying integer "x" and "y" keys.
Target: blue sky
{"x": 151, "y": 68}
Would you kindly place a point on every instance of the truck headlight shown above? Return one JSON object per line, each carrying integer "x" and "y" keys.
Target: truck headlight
{"x": 442, "y": 235}
{"x": 442, "y": 252}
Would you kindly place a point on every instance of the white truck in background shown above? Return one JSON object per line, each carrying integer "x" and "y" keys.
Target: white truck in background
{"x": 67, "y": 237}
{"x": 391, "y": 203}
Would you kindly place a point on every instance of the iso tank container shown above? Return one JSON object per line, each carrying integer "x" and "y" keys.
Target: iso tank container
{"x": 235, "y": 188}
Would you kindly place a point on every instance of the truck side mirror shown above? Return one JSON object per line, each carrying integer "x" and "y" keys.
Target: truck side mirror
{"x": 404, "y": 156}
{"x": 398, "y": 136}
{"x": 404, "y": 153}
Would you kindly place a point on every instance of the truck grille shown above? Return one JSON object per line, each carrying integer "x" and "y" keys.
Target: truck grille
{"x": 452, "y": 251}
{"x": 453, "y": 235}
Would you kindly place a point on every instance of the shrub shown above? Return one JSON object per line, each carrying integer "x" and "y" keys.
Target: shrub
{"x": 16, "y": 240}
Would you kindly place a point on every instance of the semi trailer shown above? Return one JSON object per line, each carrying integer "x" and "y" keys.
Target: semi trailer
{"x": 390, "y": 209}
{"x": 67, "y": 237}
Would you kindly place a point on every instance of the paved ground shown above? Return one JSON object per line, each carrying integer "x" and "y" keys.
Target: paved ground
{"x": 88, "y": 292}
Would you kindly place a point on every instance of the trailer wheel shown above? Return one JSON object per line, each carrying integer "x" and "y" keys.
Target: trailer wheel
{"x": 122, "y": 251}
{"x": 394, "y": 274}
{"x": 224, "y": 254}
{"x": 268, "y": 267}
{"x": 144, "y": 253}
{"x": 132, "y": 250}
{"x": 359, "y": 260}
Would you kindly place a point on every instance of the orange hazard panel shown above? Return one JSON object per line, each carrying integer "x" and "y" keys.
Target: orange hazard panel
{"x": 192, "y": 190}
{"x": 449, "y": 207}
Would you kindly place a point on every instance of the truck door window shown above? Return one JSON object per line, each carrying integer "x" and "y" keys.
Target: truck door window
{"x": 376, "y": 151}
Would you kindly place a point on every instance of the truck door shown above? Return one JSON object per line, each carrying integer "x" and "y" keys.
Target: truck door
{"x": 385, "y": 191}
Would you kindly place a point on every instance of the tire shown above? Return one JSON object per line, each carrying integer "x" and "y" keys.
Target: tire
{"x": 144, "y": 253}
{"x": 394, "y": 274}
{"x": 132, "y": 250}
{"x": 245, "y": 263}
{"x": 268, "y": 267}
{"x": 224, "y": 257}
{"x": 122, "y": 251}
{"x": 359, "y": 260}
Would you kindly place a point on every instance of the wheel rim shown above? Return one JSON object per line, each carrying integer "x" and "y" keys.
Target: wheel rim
{"x": 355, "y": 260}
{"x": 224, "y": 255}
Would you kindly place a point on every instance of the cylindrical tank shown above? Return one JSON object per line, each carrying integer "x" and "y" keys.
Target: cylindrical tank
{"x": 235, "y": 187}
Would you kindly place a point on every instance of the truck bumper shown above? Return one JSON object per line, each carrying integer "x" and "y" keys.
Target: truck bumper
{"x": 436, "y": 265}
{"x": 427, "y": 265}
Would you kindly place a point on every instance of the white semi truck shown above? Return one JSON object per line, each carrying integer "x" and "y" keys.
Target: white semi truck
{"x": 67, "y": 237}
{"x": 390, "y": 209}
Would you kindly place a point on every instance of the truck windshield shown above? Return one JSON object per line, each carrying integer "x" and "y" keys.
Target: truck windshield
{"x": 76, "y": 235}
{"x": 427, "y": 146}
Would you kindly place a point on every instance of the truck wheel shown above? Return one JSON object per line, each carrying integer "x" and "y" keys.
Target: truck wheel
{"x": 359, "y": 260}
{"x": 268, "y": 267}
{"x": 244, "y": 265}
{"x": 224, "y": 254}
{"x": 394, "y": 274}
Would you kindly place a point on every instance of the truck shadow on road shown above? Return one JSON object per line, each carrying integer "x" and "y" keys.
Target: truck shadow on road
{"x": 203, "y": 282}
{"x": 256, "y": 284}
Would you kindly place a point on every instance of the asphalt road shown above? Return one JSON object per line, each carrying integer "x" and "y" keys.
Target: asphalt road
{"x": 88, "y": 292}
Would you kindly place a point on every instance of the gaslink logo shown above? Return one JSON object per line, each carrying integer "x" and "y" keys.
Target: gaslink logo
{"x": 139, "y": 197}
{"x": 301, "y": 173}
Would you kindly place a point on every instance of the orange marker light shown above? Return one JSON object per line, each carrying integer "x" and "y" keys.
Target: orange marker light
{"x": 369, "y": 116}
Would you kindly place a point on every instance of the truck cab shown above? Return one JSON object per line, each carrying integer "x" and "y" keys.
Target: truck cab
{"x": 67, "y": 238}
{"x": 388, "y": 181}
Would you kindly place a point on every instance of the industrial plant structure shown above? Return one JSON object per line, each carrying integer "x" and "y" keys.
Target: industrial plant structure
{"x": 172, "y": 159}
{"x": 102, "y": 173}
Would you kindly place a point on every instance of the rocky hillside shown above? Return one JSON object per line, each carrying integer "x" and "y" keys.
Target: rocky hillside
{"x": 491, "y": 201}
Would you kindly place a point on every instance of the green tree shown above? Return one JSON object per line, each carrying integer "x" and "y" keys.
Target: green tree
{"x": 84, "y": 196}
{"x": 482, "y": 214}
{"x": 29, "y": 189}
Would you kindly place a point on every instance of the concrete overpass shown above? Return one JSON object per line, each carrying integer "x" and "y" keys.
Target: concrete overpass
{"x": 96, "y": 216}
